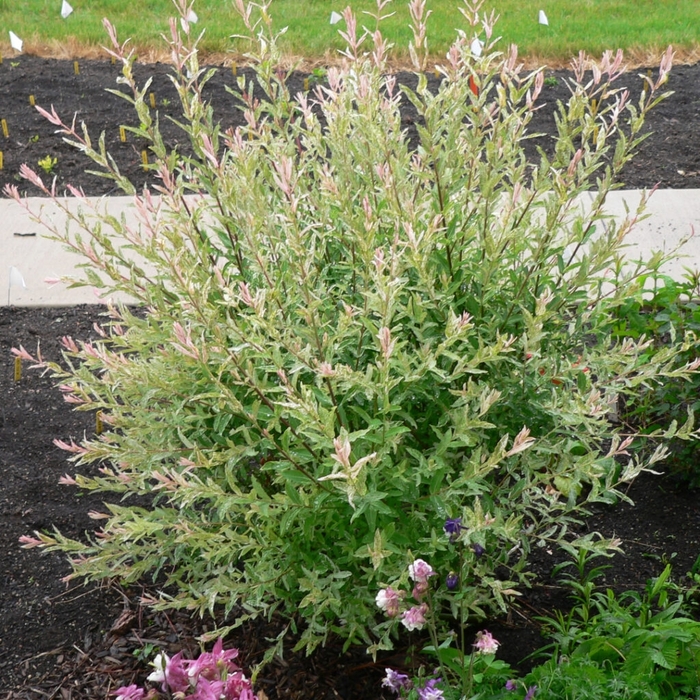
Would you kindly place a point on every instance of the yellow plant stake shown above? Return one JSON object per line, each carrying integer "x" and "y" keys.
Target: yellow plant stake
{"x": 144, "y": 159}
{"x": 306, "y": 84}
{"x": 234, "y": 69}
{"x": 99, "y": 427}
{"x": 18, "y": 369}
{"x": 122, "y": 134}
{"x": 113, "y": 60}
{"x": 76, "y": 68}
{"x": 5, "y": 131}
{"x": 32, "y": 101}
{"x": 153, "y": 100}
{"x": 1, "y": 160}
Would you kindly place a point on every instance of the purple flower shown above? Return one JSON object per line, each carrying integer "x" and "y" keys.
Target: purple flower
{"x": 430, "y": 692}
{"x": 511, "y": 684}
{"x": 478, "y": 550}
{"x": 396, "y": 681}
{"x": 420, "y": 571}
{"x": 452, "y": 527}
{"x": 530, "y": 692}
{"x": 485, "y": 643}
{"x": 452, "y": 581}
{"x": 389, "y": 600}
{"x": 414, "y": 618}
{"x": 129, "y": 692}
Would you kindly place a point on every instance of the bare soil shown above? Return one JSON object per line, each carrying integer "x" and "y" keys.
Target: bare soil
{"x": 75, "y": 641}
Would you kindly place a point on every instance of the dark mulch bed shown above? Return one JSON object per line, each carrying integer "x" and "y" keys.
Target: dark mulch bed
{"x": 74, "y": 642}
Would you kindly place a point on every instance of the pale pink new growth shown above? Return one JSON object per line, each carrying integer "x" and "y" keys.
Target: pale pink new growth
{"x": 28, "y": 542}
{"x": 185, "y": 344}
{"x": 28, "y": 174}
{"x": 69, "y": 344}
{"x": 342, "y": 451}
{"x": 75, "y": 192}
{"x": 245, "y": 295}
{"x": 521, "y": 443}
{"x": 208, "y": 148}
{"x": 22, "y": 354}
{"x": 53, "y": 117}
{"x": 72, "y": 447}
{"x": 385, "y": 341}
{"x": 96, "y": 515}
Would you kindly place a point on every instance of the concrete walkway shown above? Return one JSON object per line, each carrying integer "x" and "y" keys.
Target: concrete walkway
{"x": 29, "y": 258}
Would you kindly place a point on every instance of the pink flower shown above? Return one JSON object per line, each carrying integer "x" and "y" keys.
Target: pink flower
{"x": 207, "y": 690}
{"x": 485, "y": 643}
{"x": 414, "y": 618}
{"x": 420, "y": 571}
{"x": 129, "y": 692}
{"x": 176, "y": 675}
{"x": 389, "y": 600}
{"x": 210, "y": 664}
{"x": 419, "y": 590}
{"x": 238, "y": 687}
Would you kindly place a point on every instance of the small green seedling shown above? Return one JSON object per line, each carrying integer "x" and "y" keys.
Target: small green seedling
{"x": 551, "y": 81}
{"x": 145, "y": 652}
{"x": 47, "y": 164}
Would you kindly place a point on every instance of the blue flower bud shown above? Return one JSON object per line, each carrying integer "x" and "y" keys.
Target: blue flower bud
{"x": 478, "y": 550}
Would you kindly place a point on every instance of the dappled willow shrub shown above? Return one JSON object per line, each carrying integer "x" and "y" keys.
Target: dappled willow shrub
{"x": 348, "y": 341}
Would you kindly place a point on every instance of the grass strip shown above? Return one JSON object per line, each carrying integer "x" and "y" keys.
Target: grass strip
{"x": 640, "y": 27}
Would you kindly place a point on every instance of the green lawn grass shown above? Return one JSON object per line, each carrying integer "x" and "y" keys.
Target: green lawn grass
{"x": 645, "y": 26}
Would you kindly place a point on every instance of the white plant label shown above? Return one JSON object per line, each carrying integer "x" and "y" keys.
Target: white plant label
{"x": 477, "y": 47}
{"x": 16, "y": 42}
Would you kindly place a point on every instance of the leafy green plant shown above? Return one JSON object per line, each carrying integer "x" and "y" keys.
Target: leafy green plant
{"x": 145, "y": 652}
{"x": 48, "y": 163}
{"x": 645, "y": 643}
{"x": 347, "y": 340}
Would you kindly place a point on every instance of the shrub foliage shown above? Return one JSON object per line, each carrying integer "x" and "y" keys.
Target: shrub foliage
{"x": 345, "y": 339}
